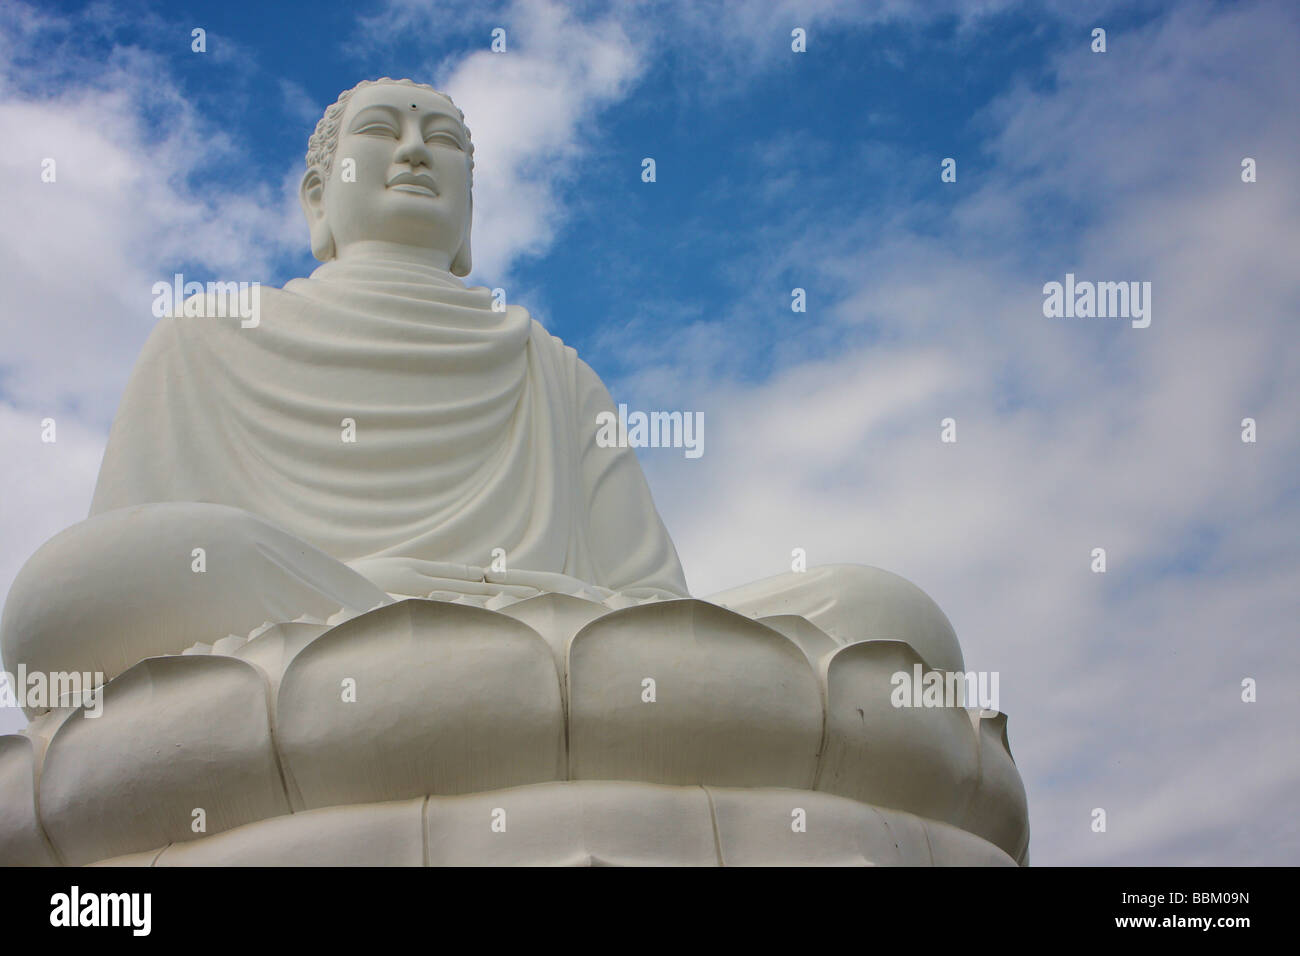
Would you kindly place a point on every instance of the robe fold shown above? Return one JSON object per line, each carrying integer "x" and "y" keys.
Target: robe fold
{"x": 474, "y": 429}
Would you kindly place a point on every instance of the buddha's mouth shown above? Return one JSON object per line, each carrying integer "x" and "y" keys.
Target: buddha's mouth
{"x": 419, "y": 183}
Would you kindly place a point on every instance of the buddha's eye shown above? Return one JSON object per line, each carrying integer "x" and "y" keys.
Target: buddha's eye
{"x": 377, "y": 129}
{"x": 444, "y": 139}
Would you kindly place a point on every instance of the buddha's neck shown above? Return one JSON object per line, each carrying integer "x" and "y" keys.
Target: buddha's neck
{"x": 377, "y": 249}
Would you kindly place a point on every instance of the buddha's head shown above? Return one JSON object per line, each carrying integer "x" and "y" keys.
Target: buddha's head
{"x": 391, "y": 161}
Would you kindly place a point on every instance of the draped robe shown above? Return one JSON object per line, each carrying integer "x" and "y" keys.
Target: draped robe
{"x": 475, "y": 430}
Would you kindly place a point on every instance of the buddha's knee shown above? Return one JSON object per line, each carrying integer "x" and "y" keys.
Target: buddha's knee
{"x": 155, "y": 579}
{"x": 873, "y": 604}
{"x": 855, "y": 602}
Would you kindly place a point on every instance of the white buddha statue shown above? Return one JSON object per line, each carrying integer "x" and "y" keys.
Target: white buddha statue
{"x": 383, "y": 434}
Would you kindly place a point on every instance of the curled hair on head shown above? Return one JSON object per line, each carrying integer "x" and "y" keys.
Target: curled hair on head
{"x": 325, "y": 140}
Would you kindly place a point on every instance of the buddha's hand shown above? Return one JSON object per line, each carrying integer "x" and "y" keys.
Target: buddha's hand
{"x": 411, "y": 577}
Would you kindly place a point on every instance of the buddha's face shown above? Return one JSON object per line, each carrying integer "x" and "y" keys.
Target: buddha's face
{"x": 409, "y": 179}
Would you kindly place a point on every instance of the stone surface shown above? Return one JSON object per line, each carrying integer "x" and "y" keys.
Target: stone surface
{"x": 381, "y": 834}
{"x": 177, "y": 734}
{"x": 921, "y": 759}
{"x": 735, "y": 703}
{"x": 22, "y": 838}
{"x": 448, "y": 699}
{"x": 589, "y": 823}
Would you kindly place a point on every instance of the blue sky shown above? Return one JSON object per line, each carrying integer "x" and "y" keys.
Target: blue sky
{"x": 775, "y": 170}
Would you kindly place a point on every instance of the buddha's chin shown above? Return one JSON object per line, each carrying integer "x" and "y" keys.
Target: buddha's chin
{"x": 411, "y": 226}
{"x": 413, "y": 218}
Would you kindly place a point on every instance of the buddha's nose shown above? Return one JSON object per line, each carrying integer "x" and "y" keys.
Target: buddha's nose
{"x": 414, "y": 151}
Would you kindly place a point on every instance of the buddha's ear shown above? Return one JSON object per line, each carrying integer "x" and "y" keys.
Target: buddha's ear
{"x": 311, "y": 194}
{"x": 462, "y": 262}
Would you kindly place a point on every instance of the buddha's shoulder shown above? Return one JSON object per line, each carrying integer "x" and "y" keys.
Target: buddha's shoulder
{"x": 543, "y": 337}
{"x": 221, "y": 309}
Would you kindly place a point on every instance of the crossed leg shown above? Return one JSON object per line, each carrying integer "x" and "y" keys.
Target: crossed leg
{"x": 128, "y": 584}
{"x": 853, "y": 602}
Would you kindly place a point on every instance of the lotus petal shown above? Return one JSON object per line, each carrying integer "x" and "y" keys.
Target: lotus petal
{"x": 579, "y": 823}
{"x": 144, "y": 859}
{"x": 761, "y": 828}
{"x": 736, "y": 703}
{"x": 920, "y": 759}
{"x": 952, "y": 846}
{"x": 999, "y": 810}
{"x": 275, "y": 647}
{"x": 448, "y": 699}
{"x": 128, "y": 781}
{"x": 380, "y": 834}
{"x": 22, "y": 840}
{"x": 557, "y": 617}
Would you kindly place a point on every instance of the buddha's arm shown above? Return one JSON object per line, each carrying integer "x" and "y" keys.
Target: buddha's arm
{"x": 133, "y": 471}
{"x": 629, "y": 545}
